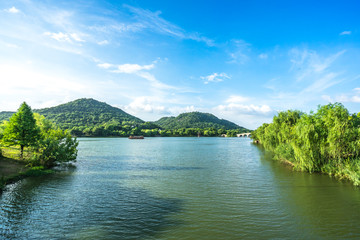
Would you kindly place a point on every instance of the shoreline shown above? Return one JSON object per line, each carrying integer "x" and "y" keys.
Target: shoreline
{"x": 12, "y": 171}
{"x": 340, "y": 174}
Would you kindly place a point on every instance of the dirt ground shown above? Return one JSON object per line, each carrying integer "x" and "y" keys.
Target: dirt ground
{"x": 10, "y": 167}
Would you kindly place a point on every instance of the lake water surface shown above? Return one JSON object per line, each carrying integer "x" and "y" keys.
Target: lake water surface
{"x": 179, "y": 188}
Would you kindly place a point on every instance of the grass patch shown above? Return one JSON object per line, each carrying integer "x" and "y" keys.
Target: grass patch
{"x": 37, "y": 171}
{"x": 13, "y": 169}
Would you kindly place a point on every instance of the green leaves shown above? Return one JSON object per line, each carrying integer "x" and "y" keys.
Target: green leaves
{"x": 49, "y": 144}
{"x": 55, "y": 145}
{"x": 22, "y": 129}
{"x": 328, "y": 140}
{"x": 196, "y": 120}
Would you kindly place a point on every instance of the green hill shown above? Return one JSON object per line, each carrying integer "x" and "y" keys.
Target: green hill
{"x": 89, "y": 117}
{"x": 86, "y": 112}
{"x": 197, "y": 120}
{"x": 5, "y": 116}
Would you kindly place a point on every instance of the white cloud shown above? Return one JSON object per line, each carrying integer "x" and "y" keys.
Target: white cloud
{"x": 323, "y": 83}
{"x": 105, "y": 65}
{"x": 152, "y": 20}
{"x": 154, "y": 107}
{"x": 64, "y": 37}
{"x": 307, "y": 62}
{"x": 154, "y": 82}
{"x": 215, "y": 77}
{"x": 246, "y": 115}
{"x": 251, "y": 109}
{"x": 145, "y": 104}
{"x": 174, "y": 111}
{"x": 104, "y": 42}
{"x": 355, "y": 99}
{"x": 132, "y": 68}
{"x": 11, "y": 45}
{"x": 320, "y": 66}
{"x": 351, "y": 97}
{"x": 263, "y": 56}
{"x": 138, "y": 70}
{"x": 313, "y": 72}
{"x": 327, "y": 98}
{"x": 24, "y": 82}
{"x": 76, "y": 37}
{"x": 12, "y": 10}
{"x": 61, "y": 37}
{"x": 345, "y": 33}
{"x": 237, "y": 99}
{"x": 239, "y": 52}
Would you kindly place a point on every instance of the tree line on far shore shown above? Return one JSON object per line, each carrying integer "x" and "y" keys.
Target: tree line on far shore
{"x": 148, "y": 130}
{"x": 326, "y": 141}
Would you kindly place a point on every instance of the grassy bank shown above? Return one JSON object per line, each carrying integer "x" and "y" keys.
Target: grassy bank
{"x": 13, "y": 169}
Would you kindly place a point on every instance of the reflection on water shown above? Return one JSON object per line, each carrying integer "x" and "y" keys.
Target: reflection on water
{"x": 178, "y": 188}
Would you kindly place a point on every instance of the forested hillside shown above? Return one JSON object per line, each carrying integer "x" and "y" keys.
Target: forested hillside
{"x": 89, "y": 117}
{"x": 86, "y": 112}
{"x": 326, "y": 141}
{"x": 5, "y": 116}
{"x": 196, "y": 120}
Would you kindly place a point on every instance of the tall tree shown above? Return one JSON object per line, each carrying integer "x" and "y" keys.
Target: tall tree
{"x": 22, "y": 129}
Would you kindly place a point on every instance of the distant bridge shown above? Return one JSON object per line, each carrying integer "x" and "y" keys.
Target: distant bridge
{"x": 243, "y": 135}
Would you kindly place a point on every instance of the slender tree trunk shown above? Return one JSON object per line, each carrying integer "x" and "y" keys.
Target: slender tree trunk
{"x": 22, "y": 152}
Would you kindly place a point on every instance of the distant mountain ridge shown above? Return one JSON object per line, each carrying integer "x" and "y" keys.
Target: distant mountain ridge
{"x": 196, "y": 120}
{"x": 89, "y": 117}
{"x": 5, "y": 115}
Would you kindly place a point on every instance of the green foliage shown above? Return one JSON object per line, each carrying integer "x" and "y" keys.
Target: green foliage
{"x": 47, "y": 144}
{"x": 87, "y": 113}
{"x": 326, "y": 141}
{"x": 91, "y": 118}
{"x": 55, "y": 145}
{"x": 21, "y": 129}
{"x": 37, "y": 171}
{"x": 5, "y": 116}
{"x": 197, "y": 120}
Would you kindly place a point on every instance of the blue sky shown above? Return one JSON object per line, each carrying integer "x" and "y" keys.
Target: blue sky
{"x": 240, "y": 60}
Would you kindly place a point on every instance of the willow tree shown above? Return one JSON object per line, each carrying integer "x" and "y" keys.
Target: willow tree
{"x": 21, "y": 130}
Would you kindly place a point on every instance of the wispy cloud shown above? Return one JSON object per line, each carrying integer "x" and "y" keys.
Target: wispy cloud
{"x": 323, "y": 83}
{"x": 24, "y": 82}
{"x": 103, "y": 42}
{"x": 237, "y": 99}
{"x": 345, "y": 33}
{"x": 309, "y": 67}
{"x": 147, "y": 104}
{"x": 237, "y": 104}
{"x": 138, "y": 70}
{"x": 215, "y": 77}
{"x": 239, "y": 51}
{"x": 105, "y": 65}
{"x": 12, "y": 10}
{"x": 245, "y": 109}
{"x": 132, "y": 68}
{"x": 263, "y": 56}
{"x": 350, "y": 97}
{"x": 153, "y": 21}
{"x": 155, "y": 107}
{"x": 65, "y": 37}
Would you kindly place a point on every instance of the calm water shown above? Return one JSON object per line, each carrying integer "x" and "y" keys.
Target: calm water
{"x": 179, "y": 188}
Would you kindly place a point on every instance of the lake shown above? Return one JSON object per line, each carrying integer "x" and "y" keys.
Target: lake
{"x": 179, "y": 188}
